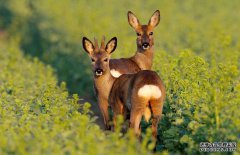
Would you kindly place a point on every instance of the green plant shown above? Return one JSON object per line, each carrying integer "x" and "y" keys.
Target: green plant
{"x": 201, "y": 103}
{"x": 202, "y": 82}
{"x": 39, "y": 117}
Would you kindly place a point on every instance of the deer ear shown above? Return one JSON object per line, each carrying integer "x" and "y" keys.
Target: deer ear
{"x": 87, "y": 45}
{"x": 154, "y": 20}
{"x": 132, "y": 20}
{"x": 111, "y": 45}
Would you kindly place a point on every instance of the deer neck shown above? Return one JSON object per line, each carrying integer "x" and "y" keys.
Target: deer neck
{"x": 144, "y": 58}
{"x": 103, "y": 85}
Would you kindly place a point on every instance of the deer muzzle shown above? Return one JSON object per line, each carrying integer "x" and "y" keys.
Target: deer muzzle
{"x": 145, "y": 46}
{"x": 98, "y": 72}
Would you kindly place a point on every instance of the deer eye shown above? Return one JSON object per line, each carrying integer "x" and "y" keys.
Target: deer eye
{"x": 106, "y": 59}
{"x": 151, "y": 33}
{"x": 93, "y": 60}
{"x": 138, "y": 34}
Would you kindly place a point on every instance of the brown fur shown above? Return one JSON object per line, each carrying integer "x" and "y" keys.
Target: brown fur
{"x": 103, "y": 83}
{"x": 122, "y": 93}
{"x": 123, "y": 99}
{"x": 143, "y": 58}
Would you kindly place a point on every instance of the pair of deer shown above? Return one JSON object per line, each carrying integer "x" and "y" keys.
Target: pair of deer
{"x": 128, "y": 85}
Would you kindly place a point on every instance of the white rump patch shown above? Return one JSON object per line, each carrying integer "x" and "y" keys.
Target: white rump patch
{"x": 115, "y": 73}
{"x": 150, "y": 91}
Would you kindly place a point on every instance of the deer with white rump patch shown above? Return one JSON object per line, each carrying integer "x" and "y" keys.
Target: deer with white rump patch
{"x": 143, "y": 58}
{"x": 142, "y": 93}
{"x": 140, "y": 61}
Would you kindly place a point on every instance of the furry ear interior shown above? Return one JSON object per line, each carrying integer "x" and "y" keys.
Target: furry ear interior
{"x": 132, "y": 20}
{"x": 111, "y": 45}
{"x": 87, "y": 45}
{"x": 155, "y": 19}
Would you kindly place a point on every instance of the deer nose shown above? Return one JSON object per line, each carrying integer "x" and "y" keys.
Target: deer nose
{"x": 145, "y": 45}
{"x": 98, "y": 71}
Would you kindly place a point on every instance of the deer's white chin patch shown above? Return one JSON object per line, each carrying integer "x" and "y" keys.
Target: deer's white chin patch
{"x": 115, "y": 73}
{"x": 145, "y": 48}
{"x": 98, "y": 74}
{"x": 150, "y": 91}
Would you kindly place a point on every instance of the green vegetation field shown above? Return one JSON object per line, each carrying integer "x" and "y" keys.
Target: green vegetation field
{"x": 45, "y": 74}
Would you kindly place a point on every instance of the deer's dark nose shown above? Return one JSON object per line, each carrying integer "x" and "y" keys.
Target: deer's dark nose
{"x": 145, "y": 45}
{"x": 98, "y": 71}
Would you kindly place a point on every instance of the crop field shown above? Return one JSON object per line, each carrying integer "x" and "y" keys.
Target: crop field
{"x": 47, "y": 102}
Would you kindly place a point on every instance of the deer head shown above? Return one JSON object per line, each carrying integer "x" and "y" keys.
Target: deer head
{"x": 144, "y": 32}
{"x": 99, "y": 55}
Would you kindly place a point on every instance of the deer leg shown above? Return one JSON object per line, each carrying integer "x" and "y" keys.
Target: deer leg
{"x": 155, "y": 121}
{"x": 126, "y": 121}
{"x": 118, "y": 109}
{"x": 156, "y": 107}
{"x": 135, "y": 120}
{"x": 104, "y": 109}
{"x": 137, "y": 110}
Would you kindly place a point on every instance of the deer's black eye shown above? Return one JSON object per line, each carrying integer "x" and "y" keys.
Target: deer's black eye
{"x": 151, "y": 33}
{"x": 93, "y": 60}
{"x": 106, "y": 59}
{"x": 138, "y": 34}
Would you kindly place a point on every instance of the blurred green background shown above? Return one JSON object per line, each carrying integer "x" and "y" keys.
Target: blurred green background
{"x": 197, "y": 54}
{"x": 52, "y": 30}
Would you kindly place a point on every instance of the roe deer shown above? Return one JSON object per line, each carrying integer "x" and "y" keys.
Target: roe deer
{"x": 103, "y": 79}
{"x": 143, "y": 58}
{"x": 142, "y": 93}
